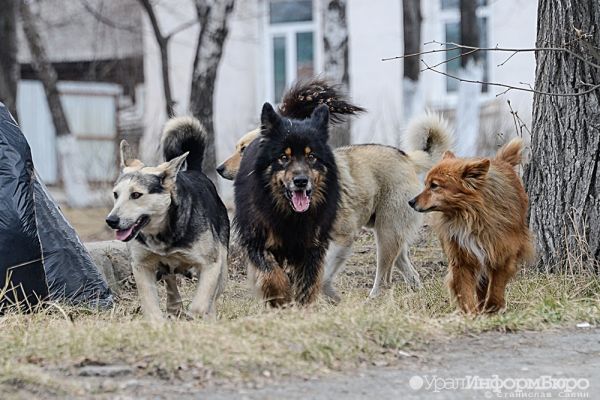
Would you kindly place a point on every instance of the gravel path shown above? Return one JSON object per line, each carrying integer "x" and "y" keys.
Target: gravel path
{"x": 561, "y": 358}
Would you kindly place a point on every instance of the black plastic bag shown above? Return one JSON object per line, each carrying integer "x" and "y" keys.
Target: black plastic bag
{"x": 69, "y": 274}
{"x": 22, "y": 276}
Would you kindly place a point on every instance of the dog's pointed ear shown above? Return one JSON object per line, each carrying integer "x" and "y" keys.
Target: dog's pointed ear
{"x": 476, "y": 169}
{"x": 172, "y": 168}
{"x": 269, "y": 120}
{"x": 320, "y": 120}
{"x": 128, "y": 160}
{"x": 447, "y": 155}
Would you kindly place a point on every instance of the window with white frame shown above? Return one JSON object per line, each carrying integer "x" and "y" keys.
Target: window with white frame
{"x": 290, "y": 36}
{"x": 450, "y": 13}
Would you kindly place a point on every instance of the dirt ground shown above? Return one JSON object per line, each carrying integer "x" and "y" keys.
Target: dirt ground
{"x": 567, "y": 359}
{"x": 566, "y": 352}
{"x": 562, "y": 355}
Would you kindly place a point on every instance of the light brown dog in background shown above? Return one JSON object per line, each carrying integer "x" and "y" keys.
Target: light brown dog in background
{"x": 376, "y": 183}
{"x": 482, "y": 224}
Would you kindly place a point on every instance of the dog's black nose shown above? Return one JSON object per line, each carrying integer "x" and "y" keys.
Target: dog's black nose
{"x": 412, "y": 202}
{"x": 301, "y": 181}
{"x": 220, "y": 169}
{"x": 112, "y": 221}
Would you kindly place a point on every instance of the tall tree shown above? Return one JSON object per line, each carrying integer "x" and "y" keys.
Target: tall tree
{"x": 469, "y": 30}
{"x": 411, "y": 96}
{"x": 563, "y": 177}
{"x": 9, "y": 64}
{"x": 72, "y": 174}
{"x": 213, "y": 16}
{"x": 335, "y": 64}
{"x": 467, "y": 109}
{"x": 163, "y": 46}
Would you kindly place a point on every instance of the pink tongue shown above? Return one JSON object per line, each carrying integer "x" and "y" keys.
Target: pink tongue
{"x": 123, "y": 234}
{"x": 300, "y": 201}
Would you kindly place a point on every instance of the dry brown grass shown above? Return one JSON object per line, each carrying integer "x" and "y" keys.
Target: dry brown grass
{"x": 249, "y": 341}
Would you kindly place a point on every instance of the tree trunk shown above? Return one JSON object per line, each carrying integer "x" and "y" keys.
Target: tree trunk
{"x": 44, "y": 69}
{"x": 9, "y": 64}
{"x": 467, "y": 108}
{"x": 213, "y": 16}
{"x": 335, "y": 65}
{"x": 562, "y": 178}
{"x": 72, "y": 174}
{"x": 469, "y": 30}
{"x": 412, "y": 97}
{"x": 163, "y": 46}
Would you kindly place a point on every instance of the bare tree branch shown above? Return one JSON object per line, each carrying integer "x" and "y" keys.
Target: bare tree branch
{"x": 44, "y": 69}
{"x": 508, "y": 87}
{"x": 107, "y": 21}
{"x": 501, "y": 49}
{"x": 214, "y": 27}
{"x": 520, "y": 125}
{"x": 181, "y": 28}
{"x": 162, "y": 42}
{"x": 9, "y": 64}
{"x": 449, "y": 46}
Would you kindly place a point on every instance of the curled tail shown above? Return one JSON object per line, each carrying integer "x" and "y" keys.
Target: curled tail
{"x": 183, "y": 134}
{"x": 511, "y": 152}
{"x": 304, "y": 96}
{"x": 427, "y": 138}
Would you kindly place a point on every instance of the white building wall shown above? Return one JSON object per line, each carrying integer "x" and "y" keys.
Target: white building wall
{"x": 375, "y": 28}
{"x": 512, "y": 24}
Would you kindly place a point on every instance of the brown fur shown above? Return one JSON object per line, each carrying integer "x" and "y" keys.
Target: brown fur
{"x": 482, "y": 224}
{"x": 274, "y": 285}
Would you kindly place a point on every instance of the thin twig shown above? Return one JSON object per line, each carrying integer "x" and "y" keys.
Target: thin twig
{"x": 500, "y": 49}
{"x": 107, "y": 21}
{"x": 181, "y": 28}
{"x": 509, "y": 87}
{"x": 450, "y": 59}
{"x": 509, "y": 57}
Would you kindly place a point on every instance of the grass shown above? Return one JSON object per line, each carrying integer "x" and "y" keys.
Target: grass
{"x": 249, "y": 341}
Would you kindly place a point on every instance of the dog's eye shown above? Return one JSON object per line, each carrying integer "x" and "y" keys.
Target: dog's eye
{"x": 115, "y": 195}
{"x": 136, "y": 195}
{"x": 312, "y": 158}
{"x": 283, "y": 158}
{"x": 433, "y": 186}
{"x": 242, "y": 150}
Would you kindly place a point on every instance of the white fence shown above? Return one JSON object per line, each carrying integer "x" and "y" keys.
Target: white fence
{"x": 91, "y": 110}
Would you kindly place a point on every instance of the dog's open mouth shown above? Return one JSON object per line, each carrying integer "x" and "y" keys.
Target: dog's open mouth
{"x": 299, "y": 199}
{"x": 125, "y": 235}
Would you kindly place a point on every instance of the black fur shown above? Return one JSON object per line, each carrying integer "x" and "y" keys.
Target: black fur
{"x": 196, "y": 206}
{"x": 152, "y": 182}
{"x": 187, "y": 135}
{"x": 195, "y": 209}
{"x": 306, "y": 95}
{"x": 302, "y": 238}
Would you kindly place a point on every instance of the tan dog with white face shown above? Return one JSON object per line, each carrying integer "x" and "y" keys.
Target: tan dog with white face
{"x": 229, "y": 168}
{"x": 164, "y": 213}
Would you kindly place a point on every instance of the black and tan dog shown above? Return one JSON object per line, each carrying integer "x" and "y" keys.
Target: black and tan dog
{"x": 174, "y": 220}
{"x": 286, "y": 197}
{"x": 376, "y": 183}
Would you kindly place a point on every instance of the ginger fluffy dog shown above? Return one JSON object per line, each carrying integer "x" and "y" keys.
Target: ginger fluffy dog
{"x": 482, "y": 224}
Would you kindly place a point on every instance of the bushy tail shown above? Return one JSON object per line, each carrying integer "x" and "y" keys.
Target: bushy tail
{"x": 183, "y": 134}
{"x": 304, "y": 96}
{"x": 511, "y": 152}
{"x": 427, "y": 138}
